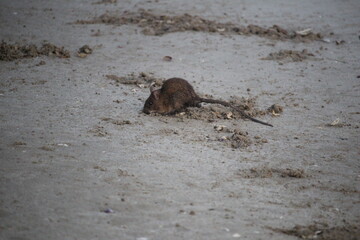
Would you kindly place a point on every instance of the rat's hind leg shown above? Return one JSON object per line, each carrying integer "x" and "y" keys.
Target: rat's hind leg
{"x": 194, "y": 103}
{"x": 179, "y": 101}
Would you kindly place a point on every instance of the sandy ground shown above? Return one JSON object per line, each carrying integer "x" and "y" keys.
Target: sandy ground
{"x": 80, "y": 161}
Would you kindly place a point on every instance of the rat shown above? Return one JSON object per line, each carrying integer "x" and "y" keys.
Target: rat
{"x": 177, "y": 94}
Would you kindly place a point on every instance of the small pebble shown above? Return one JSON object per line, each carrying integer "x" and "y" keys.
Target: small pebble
{"x": 108, "y": 210}
{"x": 236, "y": 235}
{"x": 167, "y": 58}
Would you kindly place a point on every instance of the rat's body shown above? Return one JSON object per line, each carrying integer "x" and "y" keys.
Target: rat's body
{"x": 176, "y": 94}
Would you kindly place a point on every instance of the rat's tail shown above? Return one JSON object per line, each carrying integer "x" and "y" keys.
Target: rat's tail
{"x": 226, "y": 104}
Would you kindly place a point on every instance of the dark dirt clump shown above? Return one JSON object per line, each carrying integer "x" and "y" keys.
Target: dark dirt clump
{"x": 275, "y": 109}
{"x": 265, "y": 172}
{"x": 239, "y": 139}
{"x": 10, "y": 52}
{"x": 158, "y": 25}
{"x": 349, "y": 232}
{"x": 84, "y": 51}
{"x": 117, "y": 122}
{"x": 41, "y": 63}
{"x": 142, "y": 78}
{"x": 256, "y": 173}
{"x": 18, "y": 143}
{"x": 98, "y": 131}
{"x": 289, "y": 56}
{"x": 292, "y": 173}
{"x": 47, "y": 148}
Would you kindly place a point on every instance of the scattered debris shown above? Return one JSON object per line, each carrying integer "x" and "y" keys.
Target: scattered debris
{"x": 326, "y": 40}
{"x": 41, "y": 63}
{"x": 210, "y": 112}
{"x": 229, "y": 115}
{"x": 289, "y": 56}
{"x": 259, "y": 140}
{"x": 123, "y": 173}
{"x": 47, "y": 148}
{"x": 247, "y": 105}
{"x": 84, "y": 51}
{"x": 238, "y": 139}
{"x": 168, "y": 132}
{"x": 11, "y": 52}
{"x": 99, "y": 131}
{"x": 304, "y": 32}
{"x": 121, "y": 122}
{"x": 338, "y": 42}
{"x": 322, "y": 232}
{"x": 39, "y": 82}
{"x": 96, "y": 34}
{"x": 116, "y": 122}
{"x": 220, "y": 128}
{"x": 18, "y": 143}
{"x": 288, "y": 172}
{"x": 63, "y": 144}
{"x": 158, "y": 25}
{"x": 100, "y": 168}
{"x": 265, "y": 172}
{"x": 142, "y": 79}
{"x": 106, "y": 2}
{"x": 337, "y": 123}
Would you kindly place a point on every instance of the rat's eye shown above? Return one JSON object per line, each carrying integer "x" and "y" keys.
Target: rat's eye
{"x": 150, "y": 103}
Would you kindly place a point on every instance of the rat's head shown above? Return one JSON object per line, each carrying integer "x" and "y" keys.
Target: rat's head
{"x": 153, "y": 103}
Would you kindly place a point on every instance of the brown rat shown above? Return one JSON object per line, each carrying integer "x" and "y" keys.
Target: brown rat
{"x": 177, "y": 94}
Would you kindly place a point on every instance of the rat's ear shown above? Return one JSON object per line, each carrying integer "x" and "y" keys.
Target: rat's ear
{"x": 152, "y": 87}
{"x": 156, "y": 94}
